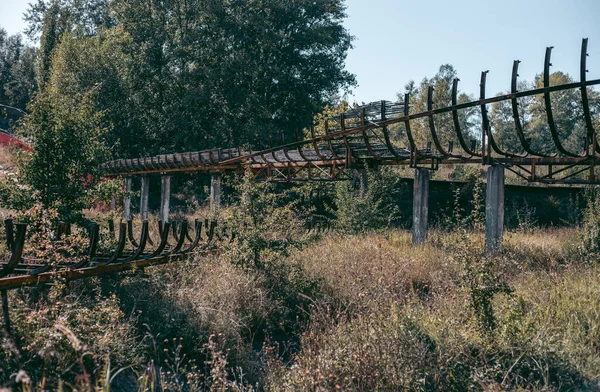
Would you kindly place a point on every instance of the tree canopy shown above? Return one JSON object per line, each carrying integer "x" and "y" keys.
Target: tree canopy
{"x": 186, "y": 75}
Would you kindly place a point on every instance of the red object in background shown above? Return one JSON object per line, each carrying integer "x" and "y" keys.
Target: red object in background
{"x": 8, "y": 140}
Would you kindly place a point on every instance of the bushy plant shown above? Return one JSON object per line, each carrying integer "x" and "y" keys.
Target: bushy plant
{"x": 589, "y": 243}
{"x": 480, "y": 279}
{"x": 69, "y": 145}
{"x": 266, "y": 221}
{"x": 357, "y": 210}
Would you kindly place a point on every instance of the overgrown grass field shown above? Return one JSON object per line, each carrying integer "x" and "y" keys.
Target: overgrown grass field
{"x": 345, "y": 312}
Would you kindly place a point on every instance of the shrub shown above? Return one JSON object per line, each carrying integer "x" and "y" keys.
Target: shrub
{"x": 267, "y": 223}
{"x": 357, "y": 211}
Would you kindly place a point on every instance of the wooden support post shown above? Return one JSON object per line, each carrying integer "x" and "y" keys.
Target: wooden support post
{"x": 420, "y": 206}
{"x": 165, "y": 197}
{"x": 215, "y": 194}
{"x": 127, "y": 200}
{"x": 494, "y": 209}
{"x": 144, "y": 198}
{"x": 5, "y": 311}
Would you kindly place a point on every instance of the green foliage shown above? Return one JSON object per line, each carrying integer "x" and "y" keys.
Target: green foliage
{"x": 480, "y": 279}
{"x": 589, "y": 242}
{"x": 357, "y": 211}
{"x": 456, "y": 216}
{"x": 182, "y": 75}
{"x": 69, "y": 146}
{"x": 267, "y": 224}
{"x": 17, "y": 75}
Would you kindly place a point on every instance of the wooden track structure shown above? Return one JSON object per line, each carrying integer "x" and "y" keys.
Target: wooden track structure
{"x": 360, "y": 138}
{"x": 173, "y": 241}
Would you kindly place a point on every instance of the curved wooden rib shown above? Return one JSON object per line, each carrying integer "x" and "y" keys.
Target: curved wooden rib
{"x": 455, "y": 119}
{"x": 187, "y": 233}
{"x": 94, "y": 237}
{"x": 181, "y": 236}
{"x": 285, "y": 152}
{"x": 17, "y": 250}
{"x": 434, "y": 135}
{"x": 329, "y": 144}
{"x": 411, "y": 140}
{"x": 516, "y": 117}
{"x": 120, "y": 245}
{"x": 211, "y": 231}
{"x": 272, "y": 151}
{"x": 300, "y": 147}
{"x": 364, "y": 135}
{"x": 10, "y": 233}
{"x": 548, "y": 106}
{"x": 486, "y": 122}
{"x": 164, "y": 240}
{"x": 142, "y": 244}
{"x": 315, "y": 146}
{"x": 130, "y": 233}
{"x": 386, "y": 135}
{"x": 198, "y": 226}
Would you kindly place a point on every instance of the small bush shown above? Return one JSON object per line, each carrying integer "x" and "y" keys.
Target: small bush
{"x": 357, "y": 211}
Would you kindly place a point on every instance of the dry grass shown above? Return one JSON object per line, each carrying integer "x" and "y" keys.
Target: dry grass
{"x": 368, "y": 312}
{"x": 399, "y": 337}
{"x": 361, "y": 269}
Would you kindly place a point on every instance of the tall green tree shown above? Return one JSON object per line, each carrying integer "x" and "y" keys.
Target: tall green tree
{"x": 197, "y": 74}
{"x": 207, "y": 74}
{"x": 17, "y": 77}
{"x": 68, "y": 147}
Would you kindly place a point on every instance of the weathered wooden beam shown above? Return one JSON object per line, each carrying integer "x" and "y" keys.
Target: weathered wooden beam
{"x": 165, "y": 197}
{"x": 215, "y": 194}
{"x": 127, "y": 199}
{"x": 144, "y": 198}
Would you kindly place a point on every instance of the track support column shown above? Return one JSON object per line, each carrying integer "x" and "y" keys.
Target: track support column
{"x": 165, "y": 198}
{"x": 494, "y": 208}
{"x": 215, "y": 194}
{"x": 127, "y": 200}
{"x": 144, "y": 198}
{"x": 420, "y": 206}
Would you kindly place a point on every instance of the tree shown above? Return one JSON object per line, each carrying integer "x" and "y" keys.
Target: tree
{"x": 89, "y": 16}
{"x": 68, "y": 147}
{"x": 200, "y": 74}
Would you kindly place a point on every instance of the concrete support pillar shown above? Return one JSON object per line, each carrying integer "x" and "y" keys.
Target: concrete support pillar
{"x": 127, "y": 200}
{"x": 165, "y": 198}
{"x": 494, "y": 208}
{"x": 144, "y": 198}
{"x": 215, "y": 194}
{"x": 420, "y": 206}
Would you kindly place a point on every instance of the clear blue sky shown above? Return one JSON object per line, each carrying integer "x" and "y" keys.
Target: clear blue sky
{"x": 397, "y": 41}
